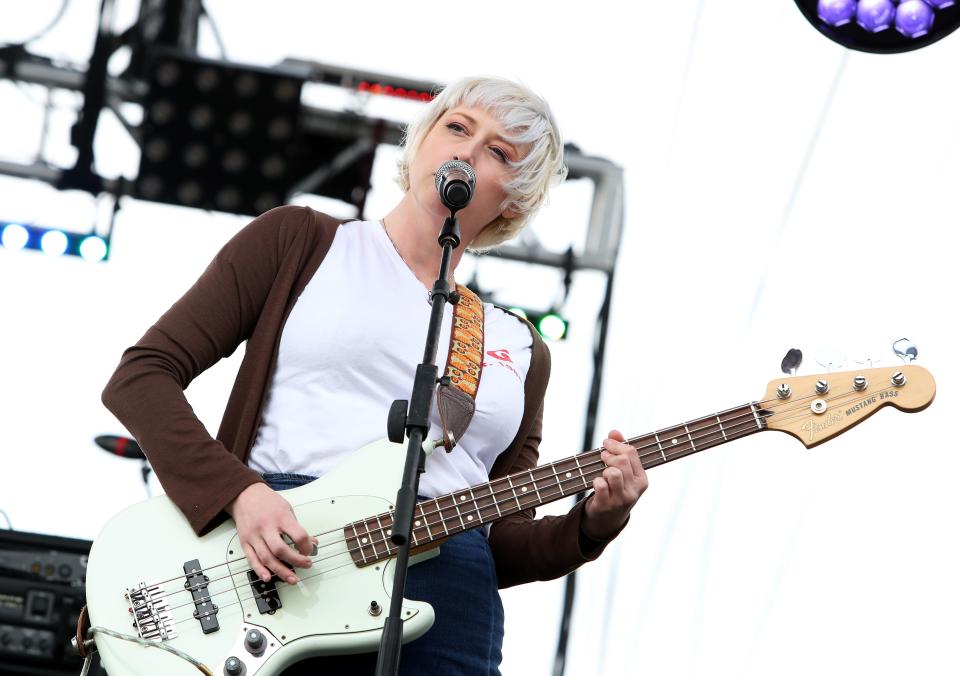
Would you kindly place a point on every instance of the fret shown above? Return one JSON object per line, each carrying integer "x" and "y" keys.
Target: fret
{"x": 369, "y": 538}
{"x": 556, "y": 477}
{"x": 387, "y": 532}
{"x": 416, "y": 524}
{"x": 357, "y": 536}
{"x": 496, "y": 503}
{"x": 660, "y": 446}
{"x": 463, "y": 499}
{"x": 443, "y": 521}
{"x": 700, "y": 434}
{"x": 536, "y": 490}
{"x": 720, "y": 425}
{"x": 515, "y": 497}
{"x": 426, "y": 521}
{"x": 476, "y": 507}
{"x": 583, "y": 478}
{"x": 563, "y": 482}
{"x": 459, "y": 515}
{"x": 380, "y": 526}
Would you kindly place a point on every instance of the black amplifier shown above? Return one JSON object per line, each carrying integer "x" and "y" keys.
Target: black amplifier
{"x": 41, "y": 594}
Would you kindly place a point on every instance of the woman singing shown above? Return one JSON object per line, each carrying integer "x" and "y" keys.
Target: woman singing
{"x": 333, "y": 316}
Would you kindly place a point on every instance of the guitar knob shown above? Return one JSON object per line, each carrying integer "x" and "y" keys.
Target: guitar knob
{"x": 254, "y": 643}
{"x": 822, "y": 386}
{"x": 783, "y": 391}
{"x": 898, "y": 379}
{"x": 234, "y": 667}
{"x": 859, "y": 383}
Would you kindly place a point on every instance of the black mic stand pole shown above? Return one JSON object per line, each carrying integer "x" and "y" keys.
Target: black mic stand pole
{"x": 416, "y": 422}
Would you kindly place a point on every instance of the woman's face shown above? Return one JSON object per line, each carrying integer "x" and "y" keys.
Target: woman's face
{"x": 474, "y": 136}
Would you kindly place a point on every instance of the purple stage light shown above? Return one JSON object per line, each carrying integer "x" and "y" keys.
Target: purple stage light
{"x": 876, "y": 15}
{"x": 914, "y": 18}
{"x": 837, "y": 12}
{"x": 940, "y": 4}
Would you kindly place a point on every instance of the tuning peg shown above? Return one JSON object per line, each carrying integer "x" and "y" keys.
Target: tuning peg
{"x": 791, "y": 361}
{"x": 829, "y": 358}
{"x": 907, "y": 349}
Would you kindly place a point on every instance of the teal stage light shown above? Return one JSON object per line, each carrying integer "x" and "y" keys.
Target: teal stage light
{"x": 551, "y": 324}
{"x": 53, "y": 242}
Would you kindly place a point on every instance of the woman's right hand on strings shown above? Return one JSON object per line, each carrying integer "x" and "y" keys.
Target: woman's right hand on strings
{"x": 263, "y": 517}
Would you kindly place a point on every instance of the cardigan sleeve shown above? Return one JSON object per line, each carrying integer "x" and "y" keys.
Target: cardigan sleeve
{"x": 208, "y": 323}
{"x": 526, "y": 548}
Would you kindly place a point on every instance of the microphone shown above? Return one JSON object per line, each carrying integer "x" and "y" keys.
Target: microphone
{"x": 455, "y": 181}
{"x": 122, "y": 446}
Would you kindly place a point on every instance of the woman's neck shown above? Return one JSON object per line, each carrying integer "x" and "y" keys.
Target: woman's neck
{"x": 414, "y": 234}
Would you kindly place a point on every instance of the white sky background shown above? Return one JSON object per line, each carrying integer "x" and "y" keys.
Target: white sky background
{"x": 757, "y": 155}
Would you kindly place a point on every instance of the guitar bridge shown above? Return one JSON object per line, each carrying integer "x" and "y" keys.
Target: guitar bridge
{"x": 150, "y": 610}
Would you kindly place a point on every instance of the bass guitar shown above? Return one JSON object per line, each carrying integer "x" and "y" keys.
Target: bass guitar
{"x": 151, "y": 582}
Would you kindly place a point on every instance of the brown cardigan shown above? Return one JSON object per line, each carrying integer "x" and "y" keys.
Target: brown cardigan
{"x": 246, "y": 294}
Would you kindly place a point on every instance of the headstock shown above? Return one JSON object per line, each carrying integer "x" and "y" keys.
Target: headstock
{"x": 819, "y": 407}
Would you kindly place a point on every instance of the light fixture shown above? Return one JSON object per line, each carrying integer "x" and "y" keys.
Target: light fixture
{"x": 882, "y": 26}
{"x": 53, "y": 242}
{"x": 210, "y": 135}
{"x": 551, "y": 324}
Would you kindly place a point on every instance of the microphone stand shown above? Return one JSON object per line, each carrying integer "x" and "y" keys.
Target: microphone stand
{"x": 416, "y": 423}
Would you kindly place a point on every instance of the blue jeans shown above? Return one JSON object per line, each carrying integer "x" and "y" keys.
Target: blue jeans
{"x": 461, "y": 585}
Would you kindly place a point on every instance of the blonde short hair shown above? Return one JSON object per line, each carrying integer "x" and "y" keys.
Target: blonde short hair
{"x": 527, "y": 121}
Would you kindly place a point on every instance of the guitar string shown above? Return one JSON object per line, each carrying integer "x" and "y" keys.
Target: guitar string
{"x": 749, "y": 416}
{"x": 382, "y": 541}
{"x": 712, "y": 431}
{"x": 388, "y": 546}
{"x": 314, "y": 573}
{"x": 379, "y": 538}
{"x": 798, "y": 413}
{"x": 749, "y": 421}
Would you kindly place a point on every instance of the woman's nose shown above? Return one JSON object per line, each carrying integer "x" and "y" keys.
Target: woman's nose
{"x": 467, "y": 153}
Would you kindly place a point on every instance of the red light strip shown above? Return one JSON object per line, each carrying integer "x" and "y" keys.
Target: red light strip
{"x": 397, "y": 92}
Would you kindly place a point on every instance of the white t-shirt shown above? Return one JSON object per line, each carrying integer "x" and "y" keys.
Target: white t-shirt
{"x": 350, "y": 347}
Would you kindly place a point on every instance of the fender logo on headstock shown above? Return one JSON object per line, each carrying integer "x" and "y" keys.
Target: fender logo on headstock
{"x": 815, "y": 427}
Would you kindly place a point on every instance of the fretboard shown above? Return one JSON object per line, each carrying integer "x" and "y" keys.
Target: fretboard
{"x": 438, "y": 518}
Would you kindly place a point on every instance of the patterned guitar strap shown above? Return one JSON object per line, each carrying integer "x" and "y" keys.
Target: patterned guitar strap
{"x": 457, "y": 391}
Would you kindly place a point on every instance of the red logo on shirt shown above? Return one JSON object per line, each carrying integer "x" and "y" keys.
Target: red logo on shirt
{"x": 502, "y": 355}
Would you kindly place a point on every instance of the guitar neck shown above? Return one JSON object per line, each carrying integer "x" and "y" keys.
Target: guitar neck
{"x": 438, "y": 518}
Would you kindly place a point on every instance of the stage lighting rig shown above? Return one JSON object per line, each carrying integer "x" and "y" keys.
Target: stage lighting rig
{"x": 218, "y": 135}
{"x": 53, "y": 241}
{"x": 883, "y": 26}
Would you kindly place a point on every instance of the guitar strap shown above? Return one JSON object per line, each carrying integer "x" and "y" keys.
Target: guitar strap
{"x": 457, "y": 391}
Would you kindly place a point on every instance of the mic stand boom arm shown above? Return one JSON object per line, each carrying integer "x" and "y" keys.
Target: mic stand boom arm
{"x": 416, "y": 422}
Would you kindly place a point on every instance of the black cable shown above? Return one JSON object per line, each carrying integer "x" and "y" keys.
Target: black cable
{"x": 570, "y": 588}
{"x": 9, "y": 522}
{"x": 44, "y": 31}
{"x": 216, "y": 31}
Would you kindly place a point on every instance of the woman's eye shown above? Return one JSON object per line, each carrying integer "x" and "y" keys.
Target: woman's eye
{"x": 453, "y": 126}
{"x": 500, "y": 154}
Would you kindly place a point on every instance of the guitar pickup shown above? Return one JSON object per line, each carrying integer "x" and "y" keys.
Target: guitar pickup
{"x": 205, "y": 610}
{"x": 265, "y": 593}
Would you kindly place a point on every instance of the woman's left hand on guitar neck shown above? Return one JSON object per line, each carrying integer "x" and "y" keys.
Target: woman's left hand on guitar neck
{"x": 615, "y": 492}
